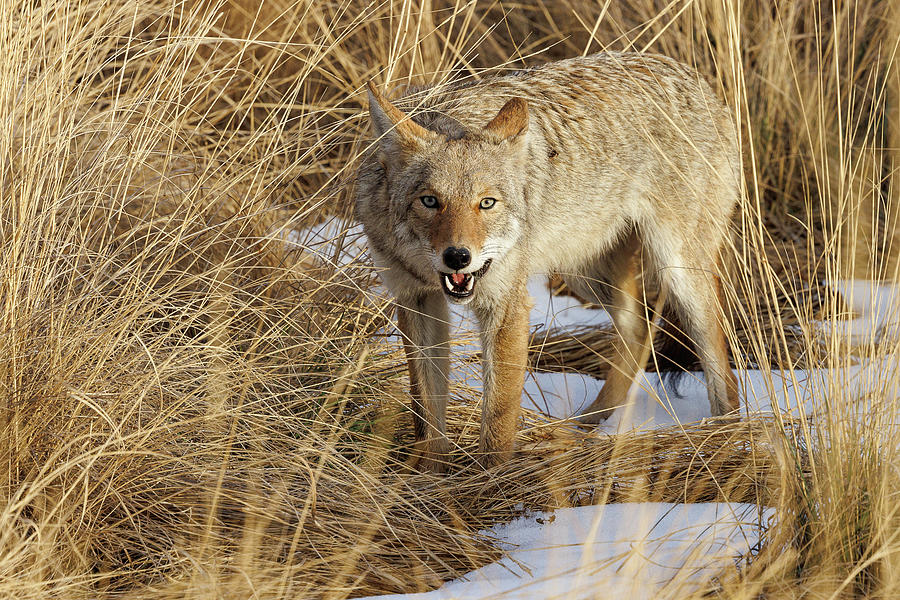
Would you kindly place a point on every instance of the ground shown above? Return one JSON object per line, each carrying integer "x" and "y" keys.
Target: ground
{"x": 635, "y": 548}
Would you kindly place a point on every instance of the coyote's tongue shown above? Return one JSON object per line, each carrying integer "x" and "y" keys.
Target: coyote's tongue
{"x": 458, "y": 278}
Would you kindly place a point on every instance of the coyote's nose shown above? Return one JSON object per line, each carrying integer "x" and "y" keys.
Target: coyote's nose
{"x": 457, "y": 258}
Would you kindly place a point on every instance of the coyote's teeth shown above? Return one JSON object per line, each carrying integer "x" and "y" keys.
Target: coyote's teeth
{"x": 458, "y": 285}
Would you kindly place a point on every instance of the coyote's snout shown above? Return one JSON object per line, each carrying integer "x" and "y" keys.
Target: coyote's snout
{"x": 579, "y": 167}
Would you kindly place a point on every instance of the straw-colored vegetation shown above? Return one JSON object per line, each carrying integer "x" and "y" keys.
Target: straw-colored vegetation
{"x": 193, "y": 407}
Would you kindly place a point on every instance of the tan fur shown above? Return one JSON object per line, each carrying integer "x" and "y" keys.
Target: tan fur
{"x": 579, "y": 167}
{"x": 455, "y": 225}
{"x": 510, "y": 121}
{"x": 409, "y": 133}
{"x": 504, "y": 343}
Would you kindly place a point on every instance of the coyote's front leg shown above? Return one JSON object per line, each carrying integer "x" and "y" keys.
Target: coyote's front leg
{"x": 423, "y": 321}
{"x": 504, "y": 344}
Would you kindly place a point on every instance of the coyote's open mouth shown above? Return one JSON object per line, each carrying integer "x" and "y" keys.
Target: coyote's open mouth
{"x": 461, "y": 285}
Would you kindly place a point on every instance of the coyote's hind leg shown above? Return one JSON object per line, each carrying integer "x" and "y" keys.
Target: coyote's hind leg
{"x": 613, "y": 283}
{"x": 695, "y": 290}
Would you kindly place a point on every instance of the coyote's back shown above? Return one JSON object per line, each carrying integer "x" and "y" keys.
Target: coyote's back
{"x": 579, "y": 167}
{"x": 645, "y": 129}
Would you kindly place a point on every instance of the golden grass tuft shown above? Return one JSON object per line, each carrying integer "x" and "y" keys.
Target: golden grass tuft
{"x": 195, "y": 407}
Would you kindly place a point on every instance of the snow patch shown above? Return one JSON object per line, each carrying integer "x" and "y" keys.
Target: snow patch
{"x": 877, "y": 307}
{"x": 561, "y": 312}
{"x": 609, "y": 550}
{"x": 332, "y": 242}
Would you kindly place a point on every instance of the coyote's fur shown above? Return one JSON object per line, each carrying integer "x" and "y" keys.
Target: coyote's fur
{"x": 584, "y": 167}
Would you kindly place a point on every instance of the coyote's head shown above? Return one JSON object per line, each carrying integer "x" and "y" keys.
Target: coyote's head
{"x": 457, "y": 194}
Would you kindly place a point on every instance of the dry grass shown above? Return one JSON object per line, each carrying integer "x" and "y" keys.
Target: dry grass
{"x": 194, "y": 408}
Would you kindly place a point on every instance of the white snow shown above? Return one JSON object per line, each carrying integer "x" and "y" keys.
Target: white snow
{"x": 636, "y": 549}
{"x": 608, "y": 551}
{"x": 877, "y": 306}
{"x": 563, "y": 312}
{"x": 651, "y": 405}
{"x": 332, "y": 242}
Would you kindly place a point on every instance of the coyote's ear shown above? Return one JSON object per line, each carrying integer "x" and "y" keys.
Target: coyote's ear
{"x": 510, "y": 122}
{"x": 395, "y": 130}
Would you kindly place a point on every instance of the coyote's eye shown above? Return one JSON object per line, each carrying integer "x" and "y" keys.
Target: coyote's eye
{"x": 429, "y": 201}
{"x": 487, "y": 203}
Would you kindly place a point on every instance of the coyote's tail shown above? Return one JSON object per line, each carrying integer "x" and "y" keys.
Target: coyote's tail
{"x": 675, "y": 352}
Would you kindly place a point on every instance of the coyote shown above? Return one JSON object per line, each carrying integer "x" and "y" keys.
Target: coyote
{"x": 586, "y": 167}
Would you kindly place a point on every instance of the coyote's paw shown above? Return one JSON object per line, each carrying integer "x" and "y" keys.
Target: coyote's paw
{"x": 726, "y": 418}
{"x": 602, "y": 407}
{"x": 594, "y": 417}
